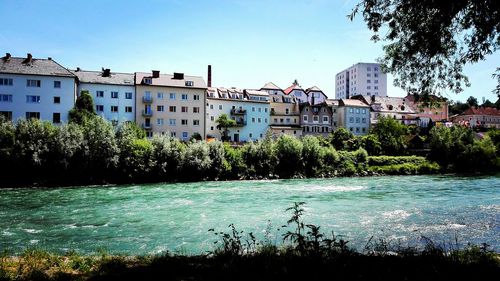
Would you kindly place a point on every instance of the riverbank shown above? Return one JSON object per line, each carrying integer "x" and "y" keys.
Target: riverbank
{"x": 267, "y": 263}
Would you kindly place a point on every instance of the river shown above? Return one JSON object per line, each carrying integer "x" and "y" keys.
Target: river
{"x": 153, "y": 218}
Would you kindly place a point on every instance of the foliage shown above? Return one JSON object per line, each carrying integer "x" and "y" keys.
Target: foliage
{"x": 311, "y": 155}
{"x": 289, "y": 156}
{"x": 427, "y": 43}
{"x": 168, "y": 153}
{"x": 371, "y": 144}
{"x": 224, "y": 123}
{"x": 391, "y": 135}
{"x": 472, "y": 102}
{"x": 84, "y": 108}
{"x": 340, "y": 138}
{"x": 196, "y": 161}
{"x": 260, "y": 157}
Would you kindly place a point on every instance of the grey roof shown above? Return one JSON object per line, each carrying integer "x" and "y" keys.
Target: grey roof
{"x": 271, "y": 86}
{"x": 352, "y": 102}
{"x": 332, "y": 102}
{"x": 95, "y": 77}
{"x": 45, "y": 67}
{"x": 167, "y": 80}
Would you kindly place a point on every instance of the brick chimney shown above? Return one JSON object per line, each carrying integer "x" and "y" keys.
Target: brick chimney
{"x": 209, "y": 76}
{"x": 106, "y": 72}
{"x": 29, "y": 59}
{"x": 156, "y": 73}
{"x": 7, "y": 57}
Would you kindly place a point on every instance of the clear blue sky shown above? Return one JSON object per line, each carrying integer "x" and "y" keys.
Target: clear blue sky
{"x": 248, "y": 42}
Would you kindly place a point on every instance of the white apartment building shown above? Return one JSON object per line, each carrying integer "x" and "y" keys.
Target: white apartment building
{"x": 113, "y": 93}
{"x": 35, "y": 88}
{"x": 365, "y": 79}
{"x": 249, "y": 108}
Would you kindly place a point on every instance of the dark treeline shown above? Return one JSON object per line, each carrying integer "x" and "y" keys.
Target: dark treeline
{"x": 90, "y": 150}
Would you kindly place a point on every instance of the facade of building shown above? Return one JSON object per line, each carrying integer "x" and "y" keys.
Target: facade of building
{"x": 354, "y": 116}
{"x": 334, "y": 107}
{"x": 35, "y": 88}
{"x": 272, "y": 89}
{"x": 315, "y": 95}
{"x": 113, "y": 93}
{"x": 316, "y": 119}
{"x": 170, "y": 104}
{"x": 487, "y": 117}
{"x": 436, "y": 109}
{"x": 392, "y": 107}
{"x": 366, "y": 79}
{"x": 285, "y": 116}
{"x": 249, "y": 108}
{"x": 295, "y": 91}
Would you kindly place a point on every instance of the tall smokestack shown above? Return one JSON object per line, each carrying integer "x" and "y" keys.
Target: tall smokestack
{"x": 209, "y": 78}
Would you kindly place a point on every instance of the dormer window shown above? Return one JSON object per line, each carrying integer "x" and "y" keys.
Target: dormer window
{"x": 148, "y": 80}
{"x": 189, "y": 83}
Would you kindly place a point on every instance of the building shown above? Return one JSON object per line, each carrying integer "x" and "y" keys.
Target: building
{"x": 249, "y": 108}
{"x": 272, "y": 89}
{"x": 334, "y": 107}
{"x": 392, "y": 107}
{"x": 285, "y": 116}
{"x": 316, "y": 119}
{"x": 35, "y": 88}
{"x": 354, "y": 116}
{"x": 113, "y": 93}
{"x": 434, "y": 108}
{"x": 366, "y": 79}
{"x": 173, "y": 104}
{"x": 297, "y": 92}
{"x": 486, "y": 117}
{"x": 315, "y": 95}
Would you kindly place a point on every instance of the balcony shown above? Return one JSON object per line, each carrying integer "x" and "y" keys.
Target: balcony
{"x": 238, "y": 111}
{"x": 147, "y": 113}
{"x": 147, "y": 126}
{"x": 241, "y": 123}
{"x": 146, "y": 99}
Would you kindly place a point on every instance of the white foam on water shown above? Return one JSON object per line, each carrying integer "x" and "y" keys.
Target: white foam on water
{"x": 29, "y": 230}
{"x": 333, "y": 188}
{"x": 396, "y": 215}
{"x": 7, "y": 233}
{"x": 34, "y": 241}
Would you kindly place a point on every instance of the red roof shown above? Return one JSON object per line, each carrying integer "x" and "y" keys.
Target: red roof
{"x": 293, "y": 87}
{"x": 482, "y": 111}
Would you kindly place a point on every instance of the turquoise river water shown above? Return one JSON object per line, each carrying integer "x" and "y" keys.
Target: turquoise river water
{"x": 154, "y": 218}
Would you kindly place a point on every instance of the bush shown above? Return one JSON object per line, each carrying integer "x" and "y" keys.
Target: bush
{"x": 168, "y": 154}
{"x": 196, "y": 161}
{"x": 260, "y": 157}
{"x": 235, "y": 166}
{"x": 311, "y": 155}
{"x": 289, "y": 155}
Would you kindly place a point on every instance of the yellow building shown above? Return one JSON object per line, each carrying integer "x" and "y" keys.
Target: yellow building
{"x": 285, "y": 116}
{"x": 170, "y": 104}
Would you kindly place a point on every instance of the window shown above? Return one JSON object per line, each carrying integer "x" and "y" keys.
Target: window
{"x": 250, "y": 135}
{"x": 363, "y": 120}
{"x": 184, "y": 109}
{"x": 160, "y": 95}
{"x": 357, "y": 110}
{"x": 253, "y": 108}
{"x": 128, "y": 95}
{"x": 184, "y": 122}
{"x": 363, "y": 111}
{"x": 265, "y": 110}
{"x": 33, "y": 83}
{"x": 57, "y": 99}
{"x": 5, "y": 81}
{"x": 287, "y": 111}
{"x": 184, "y": 97}
{"x": 172, "y": 96}
{"x": 33, "y": 99}
{"x": 159, "y": 121}
{"x": 56, "y": 117}
{"x": 99, "y": 108}
{"x": 368, "y": 75}
{"x": 375, "y": 87}
{"x": 316, "y": 118}
{"x": 7, "y": 115}
{"x": 196, "y": 97}
{"x": 325, "y": 119}
{"x": 57, "y": 84}
{"x": 171, "y": 108}
{"x": 34, "y": 115}
{"x": 368, "y": 69}
{"x": 211, "y": 106}
{"x": 189, "y": 83}
{"x": 171, "y": 122}
{"x": 357, "y": 129}
{"x": 259, "y": 120}
{"x": 351, "y": 110}
{"x": 351, "y": 119}
{"x": 173, "y": 134}
{"x": 368, "y": 87}
{"x": 368, "y": 81}
{"x": 376, "y": 74}
{"x": 128, "y": 109}
{"x": 160, "y": 108}
{"x": 304, "y": 118}
{"x": 376, "y": 81}
{"x": 260, "y": 109}
{"x": 114, "y": 95}
{"x": 196, "y": 122}
{"x": 220, "y": 106}
{"x": 253, "y": 119}
{"x": 364, "y": 130}
{"x": 196, "y": 110}
{"x": 114, "y": 108}
{"x": 99, "y": 94}
{"x": 5, "y": 98}
{"x": 350, "y": 129}
{"x": 357, "y": 120}
{"x": 148, "y": 80}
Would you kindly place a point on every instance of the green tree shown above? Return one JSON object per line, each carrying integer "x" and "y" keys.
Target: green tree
{"x": 224, "y": 123}
{"x": 428, "y": 42}
{"x": 340, "y": 138}
{"x": 372, "y": 145}
{"x": 260, "y": 157}
{"x": 391, "y": 135}
{"x": 289, "y": 155}
{"x": 196, "y": 161}
{"x": 472, "y": 102}
{"x": 488, "y": 103}
{"x": 217, "y": 155}
{"x": 311, "y": 155}
{"x": 168, "y": 154}
{"x": 136, "y": 159}
{"x": 235, "y": 164}
{"x": 83, "y": 109}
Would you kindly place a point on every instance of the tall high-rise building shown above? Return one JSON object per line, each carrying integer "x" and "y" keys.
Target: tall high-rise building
{"x": 366, "y": 79}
